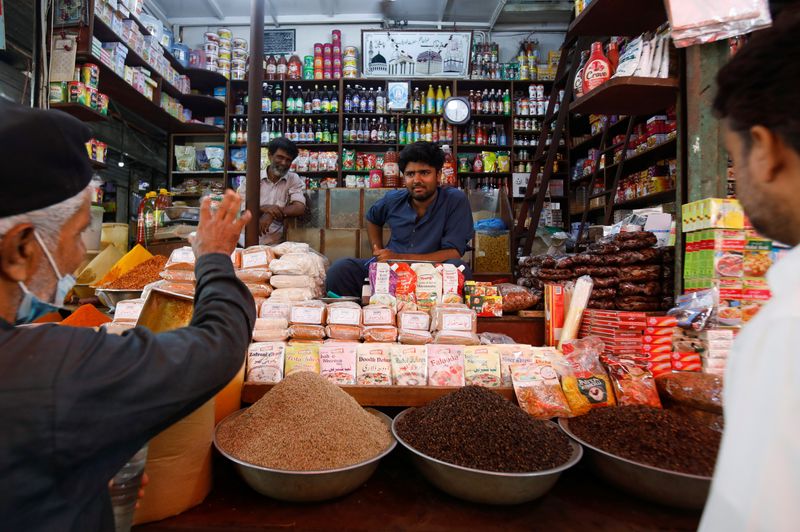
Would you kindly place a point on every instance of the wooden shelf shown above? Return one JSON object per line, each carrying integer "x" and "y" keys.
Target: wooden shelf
{"x": 302, "y": 145}
{"x": 203, "y": 105}
{"x": 79, "y": 111}
{"x": 368, "y": 145}
{"x": 311, "y": 115}
{"x": 666, "y": 196}
{"x": 489, "y": 116}
{"x": 489, "y": 146}
{"x": 618, "y": 17}
{"x": 378, "y": 395}
{"x": 628, "y": 96}
{"x": 206, "y": 80}
{"x": 97, "y": 165}
{"x": 484, "y": 174}
{"x": 367, "y": 115}
{"x": 198, "y": 172}
{"x": 665, "y": 150}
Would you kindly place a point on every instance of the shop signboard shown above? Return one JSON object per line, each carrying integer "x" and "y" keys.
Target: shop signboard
{"x": 415, "y": 54}
{"x": 279, "y": 42}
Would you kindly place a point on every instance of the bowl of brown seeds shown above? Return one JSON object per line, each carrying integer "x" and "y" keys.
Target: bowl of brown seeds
{"x": 478, "y": 446}
{"x": 305, "y": 440}
{"x": 656, "y": 454}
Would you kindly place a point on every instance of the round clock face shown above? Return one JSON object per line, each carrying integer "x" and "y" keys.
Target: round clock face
{"x": 456, "y": 110}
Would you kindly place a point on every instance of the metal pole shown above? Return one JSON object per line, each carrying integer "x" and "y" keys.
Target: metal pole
{"x": 256, "y": 78}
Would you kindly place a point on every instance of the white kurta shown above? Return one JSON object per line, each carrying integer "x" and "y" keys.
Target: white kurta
{"x": 757, "y": 479}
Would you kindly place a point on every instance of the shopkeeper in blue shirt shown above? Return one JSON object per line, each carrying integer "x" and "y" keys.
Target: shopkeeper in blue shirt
{"x": 427, "y": 222}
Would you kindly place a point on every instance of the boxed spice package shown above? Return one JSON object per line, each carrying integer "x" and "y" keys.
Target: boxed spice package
{"x": 301, "y": 357}
{"x": 374, "y": 364}
{"x": 445, "y": 365}
{"x": 409, "y": 365}
{"x": 337, "y": 362}
{"x": 482, "y": 366}
{"x": 265, "y": 362}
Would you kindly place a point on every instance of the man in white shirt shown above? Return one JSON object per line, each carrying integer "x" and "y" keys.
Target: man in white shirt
{"x": 757, "y": 480}
{"x": 281, "y": 192}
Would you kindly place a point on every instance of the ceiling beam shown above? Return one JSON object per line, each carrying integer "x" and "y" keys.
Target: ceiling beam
{"x": 294, "y": 20}
{"x": 442, "y": 11}
{"x": 155, "y": 8}
{"x": 538, "y": 7}
{"x": 497, "y": 10}
{"x": 273, "y": 12}
{"x": 214, "y": 6}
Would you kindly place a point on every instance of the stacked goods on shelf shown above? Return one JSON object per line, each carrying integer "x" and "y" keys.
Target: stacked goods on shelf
{"x": 722, "y": 254}
{"x": 147, "y": 47}
{"x": 81, "y": 90}
{"x": 369, "y": 131}
{"x": 312, "y": 101}
{"x": 628, "y": 272}
{"x": 705, "y": 350}
{"x": 97, "y": 150}
{"x": 426, "y": 102}
{"x": 526, "y": 66}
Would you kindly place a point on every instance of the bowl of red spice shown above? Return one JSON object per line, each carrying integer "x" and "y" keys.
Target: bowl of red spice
{"x": 305, "y": 440}
{"x": 478, "y": 446}
{"x": 131, "y": 284}
{"x": 653, "y": 453}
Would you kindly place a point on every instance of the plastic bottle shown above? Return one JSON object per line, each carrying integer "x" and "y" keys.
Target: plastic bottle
{"x": 430, "y": 101}
{"x": 281, "y": 68}
{"x": 577, "y": 85}
{"x": 272, "y": 68}
{"x": 439, "y": 100}
{"x": 597, "y": 70}
{"x": 149, "y": 213}
{"x": 449, "y": 177}
{"x": 294, "y": 69}
{"x": 124, "y": 490}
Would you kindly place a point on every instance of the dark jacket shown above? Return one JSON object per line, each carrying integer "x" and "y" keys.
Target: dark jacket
{"x": 76, "y": 404}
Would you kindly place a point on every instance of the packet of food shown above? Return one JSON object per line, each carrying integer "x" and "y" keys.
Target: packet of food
{"x": 308, "y": 312}
{"x": 181, "y": 259}
{"x": 374, "y": 364}
{"x": 348, "y": 159}
{"x": 633, "y": 382}
{"x": 265, "y": 362}
{"x": 512, "y": 354}
{"x": 445, "y": 365}
{"x": 588, "y": 386}
{"x": 337, "y": 362}
{"x": 503, "y": 161}
{"x": 378, "y": 315}
{"x": 275, "y": 309}
{"x": 260, "y": 275}
{"x": 382, "y": 278}
{"x": 414, "y": 320}
{"x": 344, "y": 313}
{"x": 405, "y": 291}
{"x": 352, "y": 333}
{"x": 301, "y": 357}
{"x": 414, "y": 337}
{"x": 380, "y": 333}
{"x": 409, "y": 365}
{"x": 429, "y": 286}
{"x": 538, "y": 390}
{"x": 489, "y": 161}
{"x": 452, "y": 283}
{"x": 454, "y": 317}
{"x": 303, "y": 331}
{"x": 456, "y": 338}
{"x": 482, "y": 366}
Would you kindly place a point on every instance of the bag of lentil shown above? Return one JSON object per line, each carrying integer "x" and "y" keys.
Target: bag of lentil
{"x": 588, "y": 386}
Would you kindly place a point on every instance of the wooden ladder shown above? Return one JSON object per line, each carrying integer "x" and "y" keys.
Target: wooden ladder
{"x": 545, "y": 156}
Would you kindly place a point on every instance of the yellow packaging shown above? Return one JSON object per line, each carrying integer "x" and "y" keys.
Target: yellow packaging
{"x": 301, "y": 357}
{"x": 132, "y": 259}
{"x": 482, "y": 366}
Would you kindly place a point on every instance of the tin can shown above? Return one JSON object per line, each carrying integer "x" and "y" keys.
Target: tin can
{"x": 211, "y": 37}
{"x": 336, "y": 36}
{"x": 225, "y": 33}
{"x": 237, "y": 74}
{"x": 224, "y": 64}
{"x": 225, "y": 44}
{"x": 91, "y": 98}
{"x": 337, "y": 74}
{"x": 211, "y": 48}
{"x": 327, "y": 74}
{"x": 318, "y": 74}
{"x": 90, "y": 75}
{"x": 350, "y": 72}
{"x": 327, "y": 63}
{"x": 337, "y": 49}
{"x": 237, "y": 53}
{"x": 58, "y": 92}
{"x": 327, "y": 50}
{"x": 318, "y": 48}
{"x": 351, "y": 51}
{"x": 239, "y": 43}
{"x": 76, "y": 92}
{"x": 224, "y": 54}
{"x": 102, "y": 103}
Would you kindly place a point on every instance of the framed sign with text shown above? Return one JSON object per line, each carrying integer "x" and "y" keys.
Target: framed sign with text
{"x": 415, "y": 54}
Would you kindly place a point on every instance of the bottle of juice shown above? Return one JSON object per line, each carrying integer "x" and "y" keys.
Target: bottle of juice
{"x": 430, "y": 101}
{"x": 449, "y": 177}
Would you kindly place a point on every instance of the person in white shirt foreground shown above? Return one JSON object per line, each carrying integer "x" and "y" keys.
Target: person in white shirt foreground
{"x": 756, "y": 484}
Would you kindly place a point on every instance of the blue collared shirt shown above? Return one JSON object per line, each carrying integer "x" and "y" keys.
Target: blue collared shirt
{"x": 446, "y": 224}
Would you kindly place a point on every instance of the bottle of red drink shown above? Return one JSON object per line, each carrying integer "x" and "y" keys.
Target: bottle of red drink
{"x": 597, "y": 70}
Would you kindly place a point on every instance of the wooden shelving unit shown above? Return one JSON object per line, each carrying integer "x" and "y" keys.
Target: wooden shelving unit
{"x": 618, "y": 17}
{"x": 628, "y": 96}
{"x": 81, "y": 112}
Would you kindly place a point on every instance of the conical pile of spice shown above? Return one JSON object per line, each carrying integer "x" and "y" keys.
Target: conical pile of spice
{"x": 305, "y": 423}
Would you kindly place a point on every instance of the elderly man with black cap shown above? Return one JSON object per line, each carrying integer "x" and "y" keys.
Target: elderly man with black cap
{"x": 76, "y": 404}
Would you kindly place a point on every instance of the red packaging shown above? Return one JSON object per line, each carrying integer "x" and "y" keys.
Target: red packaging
{"x": 686, "y": 357}
{"x": 686, "y": 366}
{"x": 361, "y": 161}
{"x": 662, "y": 321}
{"x": 370, "y": 161}
{"x": 657, "y": 340}
{"x": 375, "y": 179}
{"x": 658, "y": 331}
{"x": 660, "y": 358}
{"x": 660, "y": 369}
{"x": 657, "y": 349}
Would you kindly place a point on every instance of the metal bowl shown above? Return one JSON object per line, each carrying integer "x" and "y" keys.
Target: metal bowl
{"x": 306, "y": 486}
{"x": 110, "y": 296}
{"x": 487, "y": 487}
{"x": 663, "y": 486}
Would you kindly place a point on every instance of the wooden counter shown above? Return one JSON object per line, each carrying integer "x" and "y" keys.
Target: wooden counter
{"x": 524, "y": 330}
{"x": 397, "y": 497}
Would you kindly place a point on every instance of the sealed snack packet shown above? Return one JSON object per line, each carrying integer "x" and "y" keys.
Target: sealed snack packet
{"x": 633, "y": 382}
{"x": 588, "y": 386}
{"x": 337, "y": 362}
{"x": 373, "y": 365}
{"x": 409, "y": 365}
{"x": 405, "y": 291}
{"x": 538, "y": 389}
{"x": 429, "y": 286}
{"x": 445, "y": 365}
{"x": 301, "y": 357}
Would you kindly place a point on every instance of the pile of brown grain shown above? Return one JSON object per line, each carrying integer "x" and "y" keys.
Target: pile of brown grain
{"x": 305, "y": 423}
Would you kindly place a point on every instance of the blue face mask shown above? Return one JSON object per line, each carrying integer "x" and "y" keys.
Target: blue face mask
{"x": 31, "y": 307}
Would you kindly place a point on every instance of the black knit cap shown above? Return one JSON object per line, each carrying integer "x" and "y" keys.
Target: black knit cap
{"x": 43, "y": 158}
